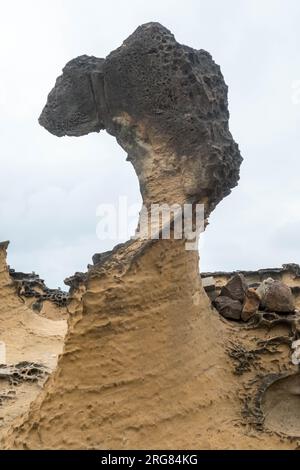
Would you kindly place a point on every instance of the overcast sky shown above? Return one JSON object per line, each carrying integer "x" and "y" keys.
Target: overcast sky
{"x": 50, "y": 187}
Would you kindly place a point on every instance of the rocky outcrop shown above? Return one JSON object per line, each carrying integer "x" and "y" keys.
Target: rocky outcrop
{"x": 50, "y": 303}
{"x": 287, "y": 271}
{"x": 29, "y": 348}
{"x": 289, "y": 274}
{"x": 237, "y": 301}
{"x": 147, "y": 362}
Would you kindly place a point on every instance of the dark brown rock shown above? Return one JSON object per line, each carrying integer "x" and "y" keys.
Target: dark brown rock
{"x": 236, "y": 288}
{"x": 276, "y": 296}
{"x": 212, "y": 294}
{"x": 228, "y": 307}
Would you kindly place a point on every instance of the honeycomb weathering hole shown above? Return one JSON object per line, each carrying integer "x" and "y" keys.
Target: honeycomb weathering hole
{"x": 281, "y": 406}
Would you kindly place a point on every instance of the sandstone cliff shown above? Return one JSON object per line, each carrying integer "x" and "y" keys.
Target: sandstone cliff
{"x": 147, "y": 362}
{"x": 30, "y": 346}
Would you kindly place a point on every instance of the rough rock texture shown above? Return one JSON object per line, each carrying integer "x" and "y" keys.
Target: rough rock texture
{"x": 251, "y": 304}
{"x": 22, "y": 372}
{"x": 228, "y": 307}
{"x": 289, "y": 274}
{"x": 147, "y": 363}
{"x": 288, "y": 271}
{"x": 296, "y": 352}
{"x": 50, "y": 303}
{"x": 231, "y": 299}
{"x": 276, "y": 296}
{"x": 167, "y": 106}
{"x": 30, "y": 345}
{"x": 236, "y": 288}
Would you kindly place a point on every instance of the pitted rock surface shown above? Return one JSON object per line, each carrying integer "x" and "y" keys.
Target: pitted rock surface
{"x": 31, "y": 285}
{"x": 166, "y": 104}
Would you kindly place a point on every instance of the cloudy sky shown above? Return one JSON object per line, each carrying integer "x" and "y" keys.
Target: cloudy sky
{"x": 50, "y": 188}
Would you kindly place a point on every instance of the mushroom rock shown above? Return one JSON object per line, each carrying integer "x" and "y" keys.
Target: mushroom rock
{"x": 147, "y": 362}
{"x": 165, "y": 103}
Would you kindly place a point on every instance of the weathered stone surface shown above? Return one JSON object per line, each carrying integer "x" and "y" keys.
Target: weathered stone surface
{"x": 236, "y": 288}
{"x": 259, "y": 274}
{"x": 100, "y": 257}
{"x": 23, "y": 372}
{"x": 251, "y": 304}
{"x": 29, "y": 346}
{"x": 145, "y": 363}
{"x": 228, "y": 307}
{"x": 276, "y": 296}
{"x": 288, "y": 273}
{"x": 208, "y": 284}
{"x": 296, "y": 352}
{"x": 166, "y": 104}
{"x": 263, "y": 287}
{"x": 31, "y": 286}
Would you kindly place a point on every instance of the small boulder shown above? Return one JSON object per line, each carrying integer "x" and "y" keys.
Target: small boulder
{"x": 235, "y": 288}
{"x": 276, "y": 296}
{"x": 228, "y": 307}
{"x": 264, "y": 286}
{"x": 251, "y": 304}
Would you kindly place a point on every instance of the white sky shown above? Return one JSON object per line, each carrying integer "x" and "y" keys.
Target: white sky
{"x": 50, "y": 188}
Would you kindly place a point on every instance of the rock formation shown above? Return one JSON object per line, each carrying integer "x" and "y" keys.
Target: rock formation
{"x": 289, "y": 274}
{"x": 276, "y": 296}
{"x": 237, "y": 300}
{"x": 50, "y": 303}
{"x": 147, "y": 362}
{"x": 235, "y": 288}
{"x": 165, "y": 103}
{"x": 30, "y": 345}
